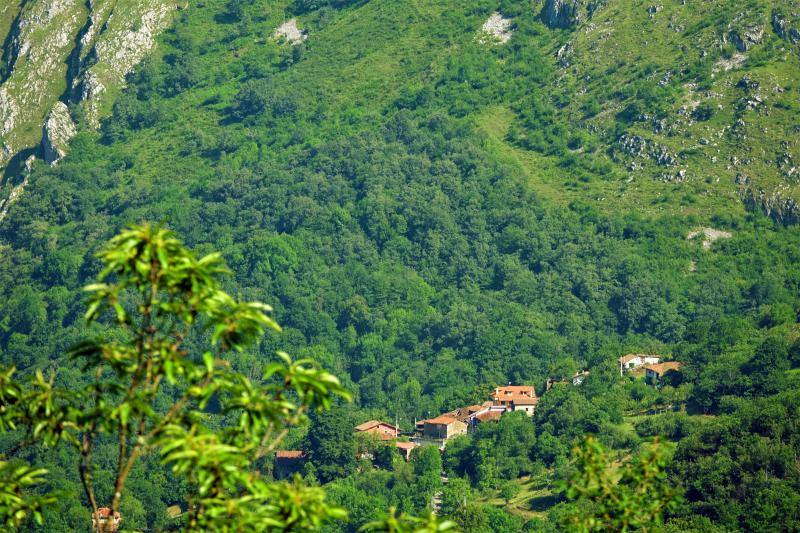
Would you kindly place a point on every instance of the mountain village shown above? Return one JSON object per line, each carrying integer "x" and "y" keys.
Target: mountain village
{"x": 437, "y": 431}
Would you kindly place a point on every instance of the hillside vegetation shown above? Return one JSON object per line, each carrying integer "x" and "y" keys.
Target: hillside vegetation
{"x": 433, "y": 212}
{"x": 64, "y": 51}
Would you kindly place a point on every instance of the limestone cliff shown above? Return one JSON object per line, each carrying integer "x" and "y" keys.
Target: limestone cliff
{"x": 58, "y": 131}
{"x": 568, "y": 13}
{"x": 40, "y": 41}
{"x": 72, "y": 51}
{"x": 117, "y": 43}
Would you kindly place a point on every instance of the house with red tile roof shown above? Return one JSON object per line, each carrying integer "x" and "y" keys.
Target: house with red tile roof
{"x": 467, "y": 414}
{"x": 106, "y": 520}
{"x": 489, "y": 416}
{"x": 383, "y": 430}
{"x": 516, "y": 398}
{"x": 287, "y": 462}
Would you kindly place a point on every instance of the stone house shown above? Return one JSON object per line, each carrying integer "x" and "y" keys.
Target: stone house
{"x": 443, "y": 427}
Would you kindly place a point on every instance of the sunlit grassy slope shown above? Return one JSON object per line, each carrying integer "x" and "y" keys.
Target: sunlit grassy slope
{"x": 671, "y": 77}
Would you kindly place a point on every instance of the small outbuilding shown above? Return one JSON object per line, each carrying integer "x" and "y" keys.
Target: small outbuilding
{"x": 405, "y": 448}
{"x": 287, "y": 462}
{"x": 578, "y": 378}
{"x": 106, "y": 521}
{"x": 659, "y": 372}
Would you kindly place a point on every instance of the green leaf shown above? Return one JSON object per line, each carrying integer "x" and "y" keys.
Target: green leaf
{"x": 208, "y": 360}
{"x": 124, "y": 413}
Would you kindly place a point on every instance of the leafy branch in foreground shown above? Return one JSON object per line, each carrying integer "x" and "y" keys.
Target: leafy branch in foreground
{"x": 633, "y": 497}
{"x": 158, "y": 295}
{"x": 15, "y": 505}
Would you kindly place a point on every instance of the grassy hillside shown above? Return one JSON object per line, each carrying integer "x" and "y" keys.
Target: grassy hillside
{"x": 674, "y": 76}
{"x": 559, "y": 103}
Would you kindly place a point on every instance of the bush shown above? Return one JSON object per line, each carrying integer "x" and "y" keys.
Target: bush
{"x": 299, "y": 7}
{"x": 703, "y": 112}
{"x": 673, "y": 426}
{"x": 508, "y": 490}
{"x": 259, "y": 96}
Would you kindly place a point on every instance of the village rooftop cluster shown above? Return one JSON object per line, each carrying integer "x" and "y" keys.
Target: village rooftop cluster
{"x": 508, "y": 399}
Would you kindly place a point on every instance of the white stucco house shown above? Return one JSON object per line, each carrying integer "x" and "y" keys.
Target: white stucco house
{"x": 635, "y": 360}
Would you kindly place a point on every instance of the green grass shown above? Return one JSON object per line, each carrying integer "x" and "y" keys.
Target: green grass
{"x": 366, "y": 57}
{"x": 536, "y": 496}
{"x": 358, "y": 61}
{"x": 644, "y": 195}
{"x": 8, "y": 11}
{"x": 628, "y": 54}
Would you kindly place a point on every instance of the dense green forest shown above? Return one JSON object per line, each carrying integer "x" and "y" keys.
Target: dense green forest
{"x": 430, "y": 216}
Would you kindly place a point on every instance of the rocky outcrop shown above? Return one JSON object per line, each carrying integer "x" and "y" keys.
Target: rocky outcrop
{"x": 638, "y": 146}
{"x": 79, "y": 48}
{"x": 58, "y": 131}
{"x": 9, "y": 111}
{"x": 778, "y": 204}
{"x": 563, "y": 54}
{"x": 39, "y": 43}
{"x": 562, "y": 13}
{"x": 290, "y": 32}
{"x": 784, "y": 29}
{"x": 16, "y": 190}
{"x": 744, "y": 39}
{"x": 128, "y": 34}
{"x": 710, "y": 236}
{"x": 496, "y": 30}
{"x": 635, "y": 145}
{"x": 568, "y": 13}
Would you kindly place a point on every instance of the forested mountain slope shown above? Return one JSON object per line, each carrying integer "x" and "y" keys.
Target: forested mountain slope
{"x": 433, "y": 212}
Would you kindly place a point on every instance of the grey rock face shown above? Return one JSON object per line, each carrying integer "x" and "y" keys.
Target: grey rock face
{"x": 569, "y": 13}
{"x": 126, "y": 36}
{"x": 89, "y": 45}
{"x": 9, "y": 110}
{"x": 562, "y": 13}
{"x": 783, "y": 29}
{"x": 745, "y": 39}
{"x": 563, "y": 54}
{"x": 290, "y": 32}
{"x": 777, "y": 205}
{"x": 58, "y": 131}
{"x": 633, "y": 144}
{"x": 638, "y": 146}
{"x": 662, "y": 156}
{"x": 90, "y": 91}
{"x": 38, "y": 43}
